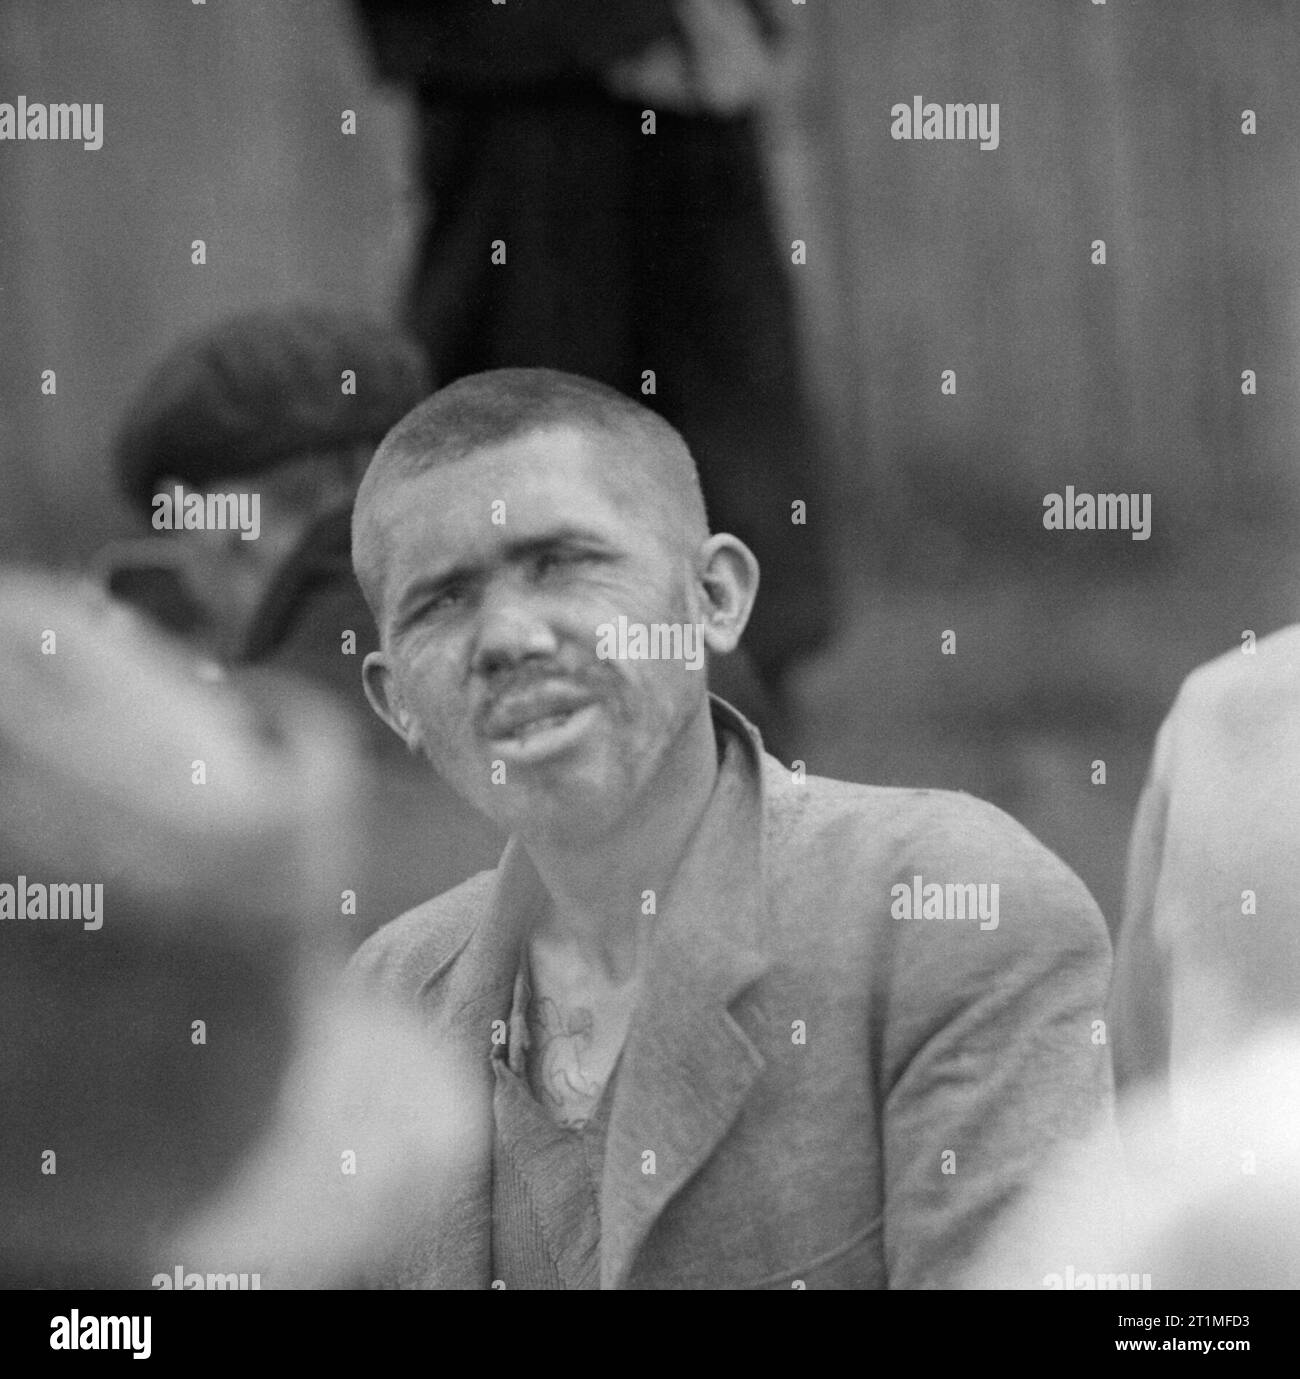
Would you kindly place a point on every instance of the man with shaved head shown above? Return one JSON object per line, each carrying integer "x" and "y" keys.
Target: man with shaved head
{"x": 728, "y": 1025}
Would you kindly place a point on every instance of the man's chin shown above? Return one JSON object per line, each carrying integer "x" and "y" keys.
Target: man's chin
{"x": 565, "y": 799}
{"x": 557, "y": 818}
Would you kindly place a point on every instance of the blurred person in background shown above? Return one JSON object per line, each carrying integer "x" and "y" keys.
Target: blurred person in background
{"x": 1208, "y": 950}
{"x": 1201, "y": 1190}
{"x": 628, "y": 251}
{"x": 181, "y": 1080}
{"x": 288, "y": 403}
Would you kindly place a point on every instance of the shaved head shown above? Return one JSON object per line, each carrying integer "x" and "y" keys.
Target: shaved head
{"x": 650, "y": 470}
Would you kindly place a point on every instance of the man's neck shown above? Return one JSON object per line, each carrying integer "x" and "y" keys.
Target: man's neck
{"x": 597, "y": 892}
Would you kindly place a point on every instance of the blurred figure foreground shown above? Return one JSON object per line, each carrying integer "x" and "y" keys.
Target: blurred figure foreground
{"x": 190, "y": 1098}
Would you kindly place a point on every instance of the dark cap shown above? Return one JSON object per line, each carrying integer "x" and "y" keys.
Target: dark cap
{"x": 262, "y": 387}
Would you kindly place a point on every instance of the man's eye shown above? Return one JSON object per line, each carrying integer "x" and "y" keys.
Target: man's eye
{"x": 444, "y": 599}
{"x": 556, "y": 560}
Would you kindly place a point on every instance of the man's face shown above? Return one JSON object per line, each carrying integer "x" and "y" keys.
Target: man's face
{"x": 491, "y": 628}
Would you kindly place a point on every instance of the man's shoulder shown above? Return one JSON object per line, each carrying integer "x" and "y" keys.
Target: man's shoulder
{"x": 913, "y": 821}
{"x": 402, "y": 955}
{"x": 880, "y": 837}
{"x": 945, "y": 913}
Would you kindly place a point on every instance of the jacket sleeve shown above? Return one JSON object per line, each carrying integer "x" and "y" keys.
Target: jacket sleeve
{"x": 996, "y": 1054}
{"x": 473, "y": 46}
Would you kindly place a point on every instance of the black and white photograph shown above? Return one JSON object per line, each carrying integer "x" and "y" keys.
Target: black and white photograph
{"x": 650, "y": 645}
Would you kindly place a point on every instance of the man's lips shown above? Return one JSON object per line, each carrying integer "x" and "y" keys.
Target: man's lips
{"x": 512, "y": 714}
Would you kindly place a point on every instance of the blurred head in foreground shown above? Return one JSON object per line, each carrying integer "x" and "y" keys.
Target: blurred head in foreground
{"x": 1208, "y": 1197}
{"x": 172, "y": 856}
{"x": 263, "y": 424}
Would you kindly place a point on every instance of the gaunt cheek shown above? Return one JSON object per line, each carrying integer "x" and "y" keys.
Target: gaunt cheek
{"x": 424, "y": 678}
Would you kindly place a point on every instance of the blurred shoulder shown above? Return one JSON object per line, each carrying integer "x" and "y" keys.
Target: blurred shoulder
{"x": 1249, "y": 685}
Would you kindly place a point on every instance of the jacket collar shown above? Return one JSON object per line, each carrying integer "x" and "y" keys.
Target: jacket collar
{"x": 688, "y": 1063}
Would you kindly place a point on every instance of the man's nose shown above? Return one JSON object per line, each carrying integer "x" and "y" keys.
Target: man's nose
{"x": 513, "y": 627}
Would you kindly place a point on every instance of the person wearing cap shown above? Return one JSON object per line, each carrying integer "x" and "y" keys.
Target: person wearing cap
{"x": 726, "y": 1024}
{"x": 287, "y": 404}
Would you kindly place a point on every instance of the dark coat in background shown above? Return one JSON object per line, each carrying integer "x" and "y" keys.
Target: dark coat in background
{"x": 625, "y": 252}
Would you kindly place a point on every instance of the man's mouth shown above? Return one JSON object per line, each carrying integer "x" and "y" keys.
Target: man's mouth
{"x": 518, "y": 717}
{"x": 537, "y": 725}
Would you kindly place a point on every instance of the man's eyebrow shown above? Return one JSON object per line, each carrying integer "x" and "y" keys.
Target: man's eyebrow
{"x": 513, "y": 552}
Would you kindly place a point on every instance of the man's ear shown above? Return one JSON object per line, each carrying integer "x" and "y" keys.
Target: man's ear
{"x": 386, "y": 699}
{"x": 727, "y": 577}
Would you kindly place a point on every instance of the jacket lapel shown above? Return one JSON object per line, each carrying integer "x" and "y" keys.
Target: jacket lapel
{"x": 689, "y": 1064}
{"x": 460, "y": 1001}
{"x": 689, "y": 1061}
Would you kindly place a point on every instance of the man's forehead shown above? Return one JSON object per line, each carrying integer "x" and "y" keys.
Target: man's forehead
{"x": 560, "y": 469}
{"x": 552, "y": 478}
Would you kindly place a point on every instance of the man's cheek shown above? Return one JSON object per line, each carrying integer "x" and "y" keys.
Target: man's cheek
{"x": 453, "y": 739}
{"x": 440, "y": 732}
